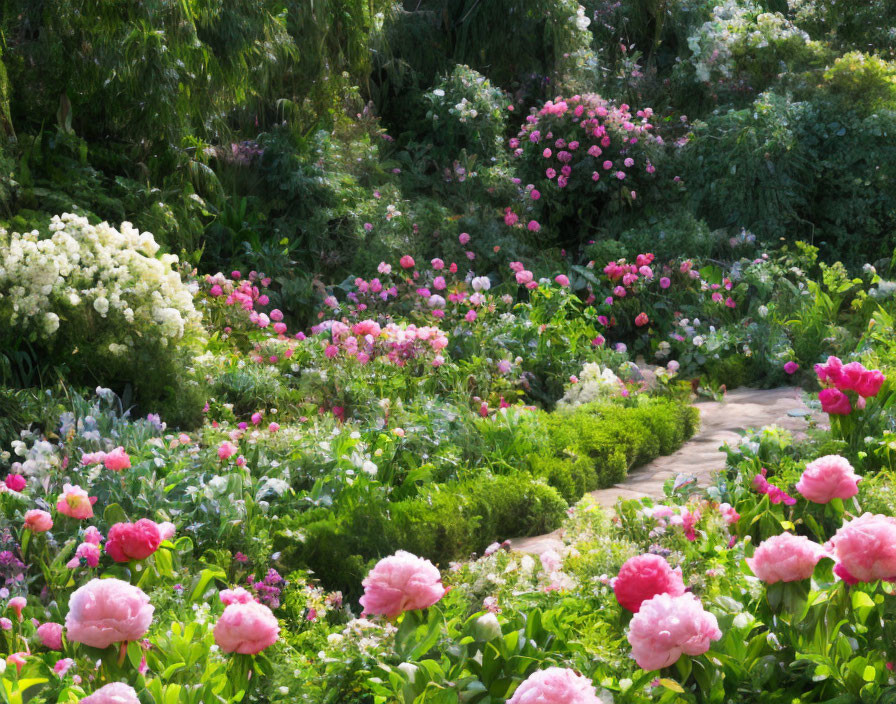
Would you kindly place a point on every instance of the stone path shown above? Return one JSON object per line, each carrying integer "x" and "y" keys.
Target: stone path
{"x": 700, "y": 456}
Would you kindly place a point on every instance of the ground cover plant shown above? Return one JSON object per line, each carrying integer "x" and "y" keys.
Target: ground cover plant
{"x": 308, "y": 311}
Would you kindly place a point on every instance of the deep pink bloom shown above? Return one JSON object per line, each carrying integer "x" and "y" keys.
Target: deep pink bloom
{"x": 15, "y": 482}
{"x": 665, "y": 282}
{"x": 834, "y": 402}
{"x": 117, "y": 460}
{"x": 133, "y": 541}
{"x": 641, "y": 320}
{"x": 642, "y": 578}
{"x": 401, "y": 582}
{"x": 50, "y": 635}
{"x": 562, "y": 279}
{"x": 406, "y": 262}
{"x": 791, "y": 367}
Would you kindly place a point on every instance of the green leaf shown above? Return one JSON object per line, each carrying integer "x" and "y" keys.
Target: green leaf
{"x": 114, "y": 514}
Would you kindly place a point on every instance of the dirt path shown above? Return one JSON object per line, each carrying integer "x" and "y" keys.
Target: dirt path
{"x": 700, "y": 456}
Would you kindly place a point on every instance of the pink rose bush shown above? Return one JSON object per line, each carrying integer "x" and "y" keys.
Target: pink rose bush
{"x": 107, "y": 611}
{"x": 865, "y": 549}
{"x": 785, "y": 558}
{"x": 399, "y": 583}
{"x": 827, "y": 478}
{"x": 555, "y": 685}
{"x": 643, "y": 577}
{"x": 667, "y": 627}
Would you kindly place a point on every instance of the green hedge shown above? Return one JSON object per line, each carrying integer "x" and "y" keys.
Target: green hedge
{"x": 596, "y": 445}
{"x": 446, "y": 522}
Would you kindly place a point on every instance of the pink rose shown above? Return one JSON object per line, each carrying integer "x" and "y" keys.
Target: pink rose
{"x": 865, "y": 549}
{"x": 855, "y": 377}
{"x": 50, "y": 635}
{"x": 107, "y": 611}
{"x": 642, "y": 578}
{"x": 668, "y": 626}
{"x": 641, "y": 320}
{"x": 834, "y": 402}
{"x": 75, "y": 503}
{"x": 406, "y": 262}
{"x": 828, "y": 477}
{"x": 38, "y": 521}
{"x": 15, "y": 482}
{"x": 401, "y": 582}
{"x": 555, "y": 685}
{"x": 665, "y": 282}
{"x": 791, "y": 367}
{"x": 133, "y": 541}
{"x": 114, "y": 693}
{"x": 785, "y": 558}
{"x": 117, "y": 460}
{"x": 246, "y": 628}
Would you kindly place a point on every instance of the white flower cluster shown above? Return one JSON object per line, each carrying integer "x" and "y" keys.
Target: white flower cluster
{"x": 737, "y": 27}
{"x": 40, "y": 459}
{"x": 594, "y": 384}
{"x": 82, "y": 266}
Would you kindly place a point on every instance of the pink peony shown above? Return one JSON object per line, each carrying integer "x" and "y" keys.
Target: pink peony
{"x": 15, "y": 482}
{"x": 235, "y": 596}
{"x": 406, "y": 262}
{"x": 75, "y": 503}
{"x": 246, "y": 628}
{"x": 38, "y": 521}
{"x": 107, "y": 611}
{"x": 463, "y": 238}
{"x": 562, "y": 279}
{"x": 133, "y": 541}
{"x": 642, "y": 578}
{"x": 226, "y": 449}
{"x": 117, "y": 460}
{"x": 834, "y": 402}
{"x": 785, "y": 558}
{"x": 791, "y": 367}
{"x": 115, "y": 693}
{"x": 555, "y": 685}
{"x": 828, "y": 477}
{"x": 865, "y": 549}
{"x": 401, "y": 582}
{"x": 668, "y": 626}
{"x": 50, "y": 635}
{"x": 830, "y": 371}
{"x": 641, "y": 320}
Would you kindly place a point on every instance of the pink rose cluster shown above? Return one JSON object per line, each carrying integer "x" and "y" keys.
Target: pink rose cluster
{"x": 247, "y": 295}
{"x": 667, "y": 627}
{"x": 846, "y": 386}
{"x": 401, "y": 582}
{"x": 367, "y": 340}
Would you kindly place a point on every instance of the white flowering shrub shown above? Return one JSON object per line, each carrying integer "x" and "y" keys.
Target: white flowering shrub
{"x": 99, "y": 300}
{"x": 594, "y": 383}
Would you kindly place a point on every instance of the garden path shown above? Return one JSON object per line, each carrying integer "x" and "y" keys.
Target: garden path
{"x": 701, "y": 455}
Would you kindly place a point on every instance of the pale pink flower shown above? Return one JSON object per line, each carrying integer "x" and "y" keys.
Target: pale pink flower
{"x": 75, "y": 503}
{"x": 107, "y": 611}
{"x": 38, "y": 521}
{"x": 555, "y": 685}
{"x": 785, "y": 558}
{"x": 17, "y": 603}
{"x": 829, "y": 477}
{"x": 117, "y": 460}
{"x": 401, "y": 582}
{"x": 667, "y": 627}
{"x": 246, "y": 628}
{"x": 865, "y": 549}
{"x": 114, "y": 693}
{"x": 226, "y": 450}
{"x": 50, "y": 635}
{"x": 551, "y": 560}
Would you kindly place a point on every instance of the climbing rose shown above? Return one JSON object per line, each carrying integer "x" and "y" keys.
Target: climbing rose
{"x": 117, "y": 460}
{"x": 246, "y": 628}
{"x": 401, "y": 582}
{"x": 555, "y": 685}
{"x": 834, "y": 402}
{"x": 785, "y": 558}
{"x": 50, "y": 635}
{"x": 75, "y": 503}
{"x": 115, "y": 693}
{"x": 133, "y": 541}
{"x": 865, "y": 549}
{"x": 642, "y": 578}
{"x": 38, "y": 521}
{"x": 829, "y": 477}
{"x": 106, "y": 611}
{"x": 668, "y": 626}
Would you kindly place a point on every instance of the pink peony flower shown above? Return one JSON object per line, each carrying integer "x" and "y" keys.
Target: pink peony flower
{"x": 15, "y": 482}
{"x": 668, "y": 626}
{"x": 555, "y": 685}
{"x": 75, "y": 503}
{"x": 791, "y": 367}
{"x": 235, "y": 596}
{"x": 63, "y": 666}
{"x": 401, "y": 582}
{"x": 865, "y": 549}
{"x": 133, "y": 541}
{"x": 785, "y": 558}
{"x": 87, "y": 554}
{"x": 665, "y": 282}
{"x": 641, "y": 320}
{"x": 642, "y": 578}
{"x": 246, "y": 628}
{"x": 829, "y": 477}
{"x": 406, "y": 262}
{"x": 533, "y": 226}
{"x": 107, "y": 611}
{"x": 114, "y": 693}
{"x": 226, "y": 450}
{"x": 117, "y": 460}
{"x": 830, "y": 371}
{"x": 834, "y": 402}
{"x": 50, "y": 635}
{"x": 38, "y": 521}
